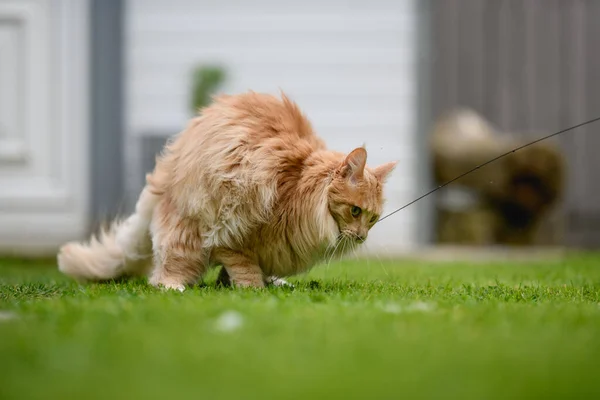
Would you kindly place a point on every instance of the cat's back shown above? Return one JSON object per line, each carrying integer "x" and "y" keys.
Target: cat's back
{"x": 247, "y": 126}
{"x": 248, "y": 129}
{"x": 227, "y": 163}
{"x": 246, "y": 133}
{"x": 257, "y": 117}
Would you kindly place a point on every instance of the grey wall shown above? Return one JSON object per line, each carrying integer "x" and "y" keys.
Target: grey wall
{"x": 425, "y": 206}
{"x": 106, "y": 109}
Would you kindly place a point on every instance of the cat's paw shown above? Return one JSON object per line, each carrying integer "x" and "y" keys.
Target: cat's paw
{"x": 275, "y": 281}
{"x": 168, "y": 285}
{"x": 172, "y": 286}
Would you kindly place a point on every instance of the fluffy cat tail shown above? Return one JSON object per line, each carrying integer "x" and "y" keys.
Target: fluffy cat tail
{"x": 122, "y": 249}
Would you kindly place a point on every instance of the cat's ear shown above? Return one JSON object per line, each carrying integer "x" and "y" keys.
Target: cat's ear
{"x": 381, "y": 172}
{"x": 353, "y": 166}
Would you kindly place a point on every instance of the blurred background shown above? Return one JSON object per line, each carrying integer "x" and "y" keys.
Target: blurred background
{"x": 91, "y": 89}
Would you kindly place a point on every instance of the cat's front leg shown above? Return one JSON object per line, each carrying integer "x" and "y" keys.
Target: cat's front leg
{"x": 241, "y": 269}
{"x": 224, "y": 280}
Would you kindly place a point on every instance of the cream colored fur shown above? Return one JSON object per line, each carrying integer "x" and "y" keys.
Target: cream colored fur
{"x": 124, "y": 248}
{"x": 247, "y": 185}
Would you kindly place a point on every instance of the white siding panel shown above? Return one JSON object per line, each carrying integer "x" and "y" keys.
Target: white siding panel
{"x": 43, "y": 124}
{"x": 284, "y": 7}
{"x": 350, "y": 65}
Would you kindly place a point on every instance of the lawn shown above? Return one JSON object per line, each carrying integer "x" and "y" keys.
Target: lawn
{"x": 358, "y": 329}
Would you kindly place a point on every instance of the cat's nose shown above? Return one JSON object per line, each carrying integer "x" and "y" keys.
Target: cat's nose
{"x": 361, "y": 234}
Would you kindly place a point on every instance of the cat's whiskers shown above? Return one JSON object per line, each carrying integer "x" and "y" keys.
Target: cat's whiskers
{"x": 340, "y": 246}
{"x": 355, "y": 252}
{"x": 333, "y": 248}
{"x": 326, "y": 252}
{"x": 368, "y": 259}
{"x": 349, "y": 243}
{"x": 345, "y": 243}
{"x": 381, "y": 263}
{"x": 342, "y": 241}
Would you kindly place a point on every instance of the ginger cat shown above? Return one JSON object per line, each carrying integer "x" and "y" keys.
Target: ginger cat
{"x": 247, "y": 185}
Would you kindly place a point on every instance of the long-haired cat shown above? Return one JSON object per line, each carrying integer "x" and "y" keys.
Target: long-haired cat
{"x": 247, "y": 185}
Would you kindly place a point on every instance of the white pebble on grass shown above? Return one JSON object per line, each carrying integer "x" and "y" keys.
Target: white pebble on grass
{"x": 391, "y": 308}
{"x": 229, "y": 321}
{"x": 7, "y": 315}
{"x": 418, "y": 306}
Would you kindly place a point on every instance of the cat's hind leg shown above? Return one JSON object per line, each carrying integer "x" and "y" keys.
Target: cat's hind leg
{"x": 241, "y": 269}
{"x": 179, "y": 258}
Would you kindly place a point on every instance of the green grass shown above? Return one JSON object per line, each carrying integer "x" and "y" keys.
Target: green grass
{"x": 352, "y": 330}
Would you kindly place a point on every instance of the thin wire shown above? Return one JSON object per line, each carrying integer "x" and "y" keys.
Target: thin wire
{"x": 486, "y": 163}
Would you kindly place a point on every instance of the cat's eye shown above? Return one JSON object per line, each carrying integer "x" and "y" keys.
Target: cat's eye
{"x": 356, "y": 211}
{"x": 374, "y": 219}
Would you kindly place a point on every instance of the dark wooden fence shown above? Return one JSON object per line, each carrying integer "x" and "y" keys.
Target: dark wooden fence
{"x": 531, "y": 67}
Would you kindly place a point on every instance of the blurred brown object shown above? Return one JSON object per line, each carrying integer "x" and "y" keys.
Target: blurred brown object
{"x": 505, "y": 202}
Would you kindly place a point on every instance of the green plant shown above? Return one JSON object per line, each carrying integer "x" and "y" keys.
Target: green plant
{"x": 206, "y": 80}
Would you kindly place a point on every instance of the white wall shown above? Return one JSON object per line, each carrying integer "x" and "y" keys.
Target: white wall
{"x": 351, "y": 65}
{"x": 43, "y": 123}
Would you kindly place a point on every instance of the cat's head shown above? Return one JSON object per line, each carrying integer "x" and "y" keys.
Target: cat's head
{"x": 356, "y": 195}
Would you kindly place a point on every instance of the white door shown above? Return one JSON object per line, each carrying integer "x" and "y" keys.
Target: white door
{"x": 43, "y": 123}
{"x": 350, "y": 64}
